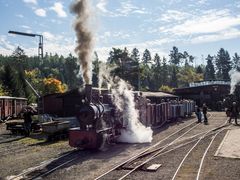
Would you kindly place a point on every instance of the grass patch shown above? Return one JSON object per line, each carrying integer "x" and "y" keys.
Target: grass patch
{"x": 31, "y": 140}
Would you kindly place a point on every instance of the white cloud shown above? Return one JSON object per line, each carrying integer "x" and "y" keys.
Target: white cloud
{"x": 50, "y": 47}
{"x": 140, "y": 11}
{"x": 238, "y": 4}
{"x": 25, "y": 27}
{"x": 126, "y": 8}
{"x": 51, "y": 37}
{"x": 40, "y": 12}
{"x": 29, "y": 31}
{"x": 173, "y": 15}
{"x": 4, "y": 44}
{"x": 20, "y": 15}
{"x": 224, "y": 35}
{"x": 210, "y": 22}
{"x": 202, "y": 1}
{"x": 30, "y": 1}
{"x": 102, "y": 6}
{"x": 58, "y": 8}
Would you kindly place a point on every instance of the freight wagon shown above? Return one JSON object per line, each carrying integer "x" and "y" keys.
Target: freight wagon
{"x": 10, "y": 107}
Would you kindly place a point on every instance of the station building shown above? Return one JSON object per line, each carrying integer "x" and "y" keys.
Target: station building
{"x": 213, "y": 93}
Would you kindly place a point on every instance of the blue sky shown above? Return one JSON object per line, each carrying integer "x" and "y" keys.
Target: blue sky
{"x": 200, "y": 27}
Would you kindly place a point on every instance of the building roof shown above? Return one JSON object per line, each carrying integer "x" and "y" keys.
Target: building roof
{"x": 206, "y": 83}
{"x": 158, "y": 94}
{"x": 9, "y": 97}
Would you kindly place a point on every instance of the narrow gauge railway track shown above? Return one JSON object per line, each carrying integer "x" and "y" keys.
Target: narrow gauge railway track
{"x": 205, "y": 153}
{"x": 7, "y": 138}
{"x": 169, "y": 140}
{"x": 121, "y": 172}
{"x": 57, "y": 163}
{"x": 49, "y": 166}
{"x": 196, "y": 161}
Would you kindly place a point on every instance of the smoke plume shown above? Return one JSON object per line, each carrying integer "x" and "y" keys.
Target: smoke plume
{"x": 84, "y": 38}
{"x": 235, "y": 79}
{"x": 123, "y": 98}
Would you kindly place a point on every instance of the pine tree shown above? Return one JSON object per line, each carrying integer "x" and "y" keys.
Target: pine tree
{"x": 174, "y": 80}
{"x": 223, "y": 64}
{"x": 209, "y": 73}
{"x": 135, "y": 55}
{"x": 146, "y": 59}
{"x": 157, "y": 60}
{"x": 156, "y": 80}
{"x": 199, "y": 70}
{"x": 236, "y": 62}
{"x": 175, "y": 56}
{"x": 71, "y": 71}
{"x": 8, "y": 79}
{"x": 164, "y": 72}
{"x": 115, "y": 56}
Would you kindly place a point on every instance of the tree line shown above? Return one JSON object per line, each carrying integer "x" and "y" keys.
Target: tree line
{"x": 149, "y": 72}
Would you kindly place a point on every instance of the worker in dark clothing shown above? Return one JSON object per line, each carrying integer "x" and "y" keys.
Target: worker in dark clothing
{"x": 233, "y": 112}
{"x": 27, "y": 115}
{"x": 198, "y": 114}
{"x": 204, "y": 110}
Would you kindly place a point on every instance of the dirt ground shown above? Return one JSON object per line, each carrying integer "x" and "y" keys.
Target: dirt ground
{"x": 25, "y": 153}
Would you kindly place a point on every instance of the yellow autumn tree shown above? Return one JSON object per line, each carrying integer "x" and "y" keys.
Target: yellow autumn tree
{"x": 52, "y": 85}
{"x": 166, "y": 89}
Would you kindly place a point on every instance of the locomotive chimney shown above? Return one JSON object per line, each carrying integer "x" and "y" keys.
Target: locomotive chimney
{"x": 88, "y": 92}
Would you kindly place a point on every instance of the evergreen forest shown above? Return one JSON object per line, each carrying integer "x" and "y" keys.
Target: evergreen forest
{"x": 149, "y": 72}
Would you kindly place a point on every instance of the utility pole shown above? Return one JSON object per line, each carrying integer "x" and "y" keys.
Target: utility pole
{"x": 40, "y": 45}
{"x": 202, "y": 59}
{"x": 139, "y": 85}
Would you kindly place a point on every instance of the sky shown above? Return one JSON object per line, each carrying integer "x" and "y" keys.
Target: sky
{"x": 200, "y": 27}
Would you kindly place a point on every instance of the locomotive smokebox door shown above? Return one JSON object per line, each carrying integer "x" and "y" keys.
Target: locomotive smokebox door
{"x": 87, "y": 116}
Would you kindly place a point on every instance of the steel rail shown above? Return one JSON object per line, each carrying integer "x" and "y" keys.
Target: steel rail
{"x": 32, "y": 169}
{"x": 55, "y": 168}
{"x": 159, "y": 152}
{"x": 153, "y": 156}
{"x": 185, "y": 157}
{"x": 205, "y": 153}
{"x": 144, "y": 151}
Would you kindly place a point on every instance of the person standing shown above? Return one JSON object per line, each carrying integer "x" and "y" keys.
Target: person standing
{"x": 233, "y": 112}
{"x": 27, "y": 115}
{"x": 198, "y": 114}
{"x": 204, "y": 110}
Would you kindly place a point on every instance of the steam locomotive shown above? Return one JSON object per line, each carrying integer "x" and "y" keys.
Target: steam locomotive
{"x": 101, "y": 122}
{"x": 97, "y": 122}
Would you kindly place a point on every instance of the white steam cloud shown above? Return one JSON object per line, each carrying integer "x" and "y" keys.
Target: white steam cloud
{"x": 123, "y": 97}
{"x": 235, "y": 79}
